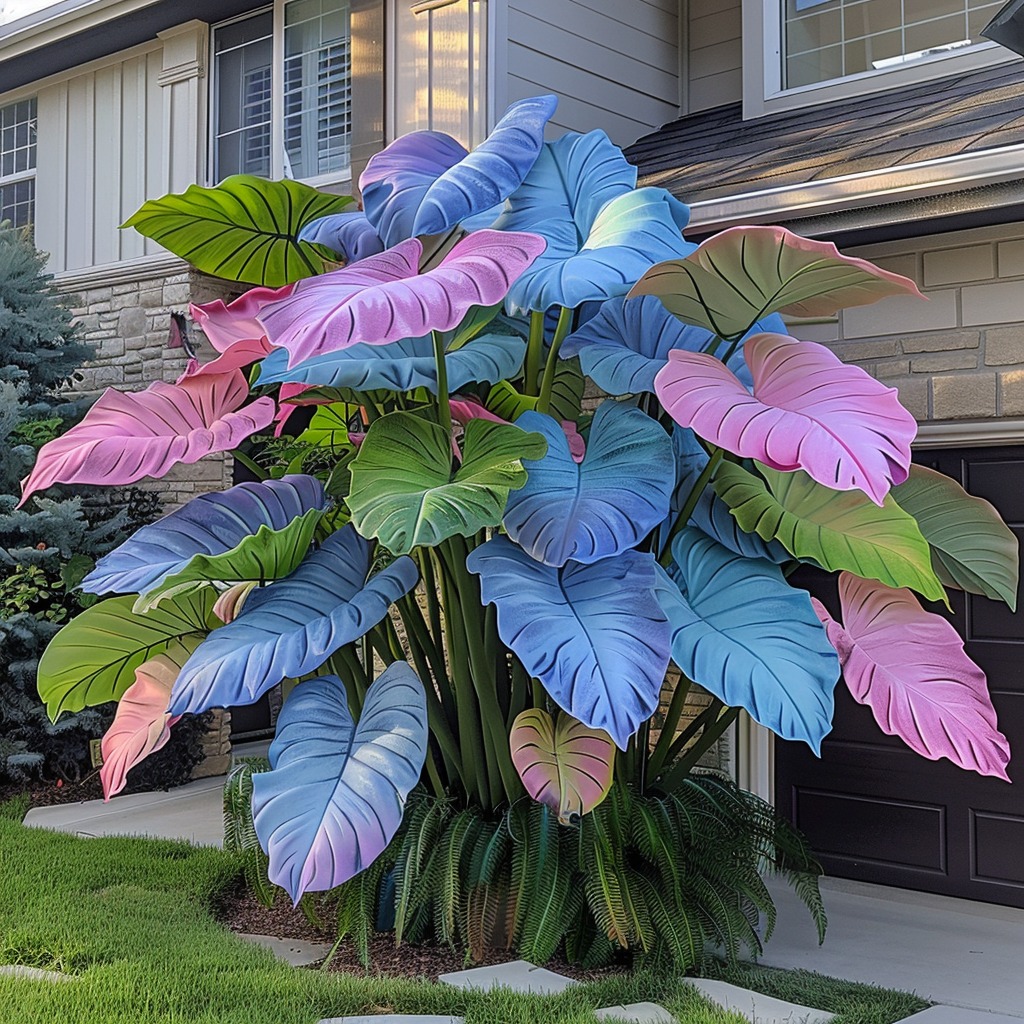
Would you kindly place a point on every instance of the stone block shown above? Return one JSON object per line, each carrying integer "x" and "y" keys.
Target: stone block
{"x": 1011, "y": 258}
{"x": 125, "y": 301}
{"x": 942, "y": 362}
{"x": 1001, "y": 303}
{"x": 517, "y": 975}
{"x": 1011, "y": 393}
{"x": 1004, "y": 345}
{"x": 945, "y": 341}
{"x": 905, "y": 264}
{"x": 151, "y": 294}
{"x": 757, "y": 1007}
{"x": 177, "y": 294}
{"x": 902, "y": 314}
{"x": 636, "y": 1013}
{"x": 131, "y": 322}
{"x": 866, "y": 351}
{"x": 913, "y": 393}
{"x": 951, "y": 266}
{"x": 291, "y": 951}
{"x": 964, "y": 396}
{"x": 822, "y": 333}
{"x": 891, "y": 368}
{"x": 128, "y": 288}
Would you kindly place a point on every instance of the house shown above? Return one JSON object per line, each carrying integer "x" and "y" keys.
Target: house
{"x": 888, "y": 126}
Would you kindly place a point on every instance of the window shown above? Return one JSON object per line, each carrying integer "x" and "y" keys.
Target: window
{"x": 18, "y": 163}
{"x": 283, "y": 92}
{"x": 824, "y": 40}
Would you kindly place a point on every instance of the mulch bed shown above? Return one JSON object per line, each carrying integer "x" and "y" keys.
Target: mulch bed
{"x": 47, "y": 794}
{"x": 242, "y": 912}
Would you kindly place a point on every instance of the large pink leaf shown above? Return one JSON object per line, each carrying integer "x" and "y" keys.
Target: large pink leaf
{"x": 809, "y": 411}
{"x": 127, "y": 436}
{"x": 909, "y": 667}
{"x": 383, "y": 299}
{"x": 142, "y": 723}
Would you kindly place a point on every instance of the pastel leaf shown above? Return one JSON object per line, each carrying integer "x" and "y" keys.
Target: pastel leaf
{"x": 383, "y": 299}
{"x": 208, "y": 525}
{"x": 336, "y": 791}
{"x": 566, "y": 395}
{"x": 405, "y": 494}
{"x": 127, "y": 436}
{"x": 741, "y": 274}
{"x": 293, "y": 626}
{"x": 836, "y": 530}
{"x": 594, "y": 635}
{"x": 605, "y": 504}
{"x": 809, "y": 411}
{"x": 244, "y": 229}
{"x": 628, "y": 342}
{"x": 972, "y": 548}
{"x": 910, "y": 668}
{"x": 92, "y": 660}
{"x": 563, "y": 764}
{"x": 744, "y": 634}
{"x": 403, "y": 365}
{"x": 350, "y": 234}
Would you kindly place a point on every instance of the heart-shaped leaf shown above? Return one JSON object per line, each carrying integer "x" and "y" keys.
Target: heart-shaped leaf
{"x": 565, "y": 766}
{"x": 833, "y": 529}
{"x": 405, "y": 494}
{"x": 744, "y": 634}
{"x": 383, "y": 299}
{"x": 292, "y": 627}
{"x": 909, "y": 667}
{"x": 741, "y": 274}
{"x": 401, "y": 366}
{"x": 603, "y": 505}
{"x": 141, "y": 723}
{"x": 350, "y": 234}
{"x": 93, "y": 659}
{"x": 336, "y": 791}
{"x": 244, "y": 229}
{"x": 127, "y": 436}
{"x": 809, "y": 411}
{"x": 594, "y": 635}
{"x": 628, "y": 342}
{"x": 972, "y": 548}
{"x": 208, "y": 525}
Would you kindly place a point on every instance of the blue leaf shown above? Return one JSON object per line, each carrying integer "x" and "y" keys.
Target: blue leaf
{"x": 491, "y": 173}
{"x": 711, "y": 514}
{"x": 605, "y": 504}
{"x": 397, "y": 179}
{"x": 336, "y": 791}
{"x": 293, "y": 626}
{"x": 628, "y": 342}
{"x": 594, "y": 635}
{"x": 744, "y": 634}
{"x": 210, "y": 524}
{"x": 401, "y": 366}
{"x": 349, "y": 234}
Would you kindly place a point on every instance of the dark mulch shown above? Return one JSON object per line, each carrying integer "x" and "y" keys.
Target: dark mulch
{"x": 46, "y": 794}
{"x": 242, "y": 912}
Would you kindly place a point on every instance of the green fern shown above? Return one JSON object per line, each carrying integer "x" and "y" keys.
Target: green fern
{"x": 240, "y": 831}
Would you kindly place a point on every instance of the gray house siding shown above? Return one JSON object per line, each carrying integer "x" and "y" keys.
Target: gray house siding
{"x": 714, "y": 52}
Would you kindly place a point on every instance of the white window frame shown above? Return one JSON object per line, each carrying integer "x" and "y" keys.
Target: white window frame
{"x": 277, "y": 153}
{"x": 762, "y": 67}
{"x": 29, "y": 174}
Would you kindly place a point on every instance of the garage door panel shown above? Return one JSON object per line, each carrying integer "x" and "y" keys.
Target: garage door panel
{"x": 997, "y": 848}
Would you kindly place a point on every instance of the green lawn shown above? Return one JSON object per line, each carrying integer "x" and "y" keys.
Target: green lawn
{"x": 130, "y": 919}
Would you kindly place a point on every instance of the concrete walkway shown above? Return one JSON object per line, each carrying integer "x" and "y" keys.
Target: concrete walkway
{"x": 949, "y": 951}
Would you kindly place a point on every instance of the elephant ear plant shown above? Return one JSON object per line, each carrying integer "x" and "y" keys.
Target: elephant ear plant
{"x": 472, "y": 584}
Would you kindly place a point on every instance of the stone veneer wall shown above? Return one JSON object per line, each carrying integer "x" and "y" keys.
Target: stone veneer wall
{"x": 958, "y": 356}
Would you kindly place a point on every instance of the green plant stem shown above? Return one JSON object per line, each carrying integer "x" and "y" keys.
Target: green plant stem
{"x": 250, "y": 464}
{"x": 691, "y": 503}
{"x": 675, "y": 776}
{"x": 534, "y": 351}
{"x": 444, "y": 408}
{"x": 551, "y": 367}
{"x": 660, "y": 754}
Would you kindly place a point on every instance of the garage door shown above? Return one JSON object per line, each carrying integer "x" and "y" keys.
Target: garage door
{"x": 872, "y": 809}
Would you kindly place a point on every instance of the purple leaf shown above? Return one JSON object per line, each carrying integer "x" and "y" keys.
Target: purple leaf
{"x": 127, "y": 436}
{"x": 809, "y": 411}
{"x": 349, "y": 234}
{"x": 382, "y": 299}
{"x": 910, "y": 668}
{"x": 336, "y": 790}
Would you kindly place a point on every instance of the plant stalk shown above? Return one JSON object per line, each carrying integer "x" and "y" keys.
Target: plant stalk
{"x": 444, "y": 408}
{"x": 551, "y": 367}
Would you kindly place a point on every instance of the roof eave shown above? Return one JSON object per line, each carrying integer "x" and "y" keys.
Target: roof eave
{"x": 61, "y": 21}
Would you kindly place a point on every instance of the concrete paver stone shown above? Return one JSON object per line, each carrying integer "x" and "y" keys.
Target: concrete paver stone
{"x": 34, "y": 974}
{"x": 758, "y": 1008}
{"x": 958, "y": 1015}
{"x": 636, "y": 1013}
{"x": 517, "y": 975}
{"x": 291, "y": 951}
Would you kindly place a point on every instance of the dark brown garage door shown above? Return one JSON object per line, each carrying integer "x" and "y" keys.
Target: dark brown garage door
{"x": 874, "y": 810}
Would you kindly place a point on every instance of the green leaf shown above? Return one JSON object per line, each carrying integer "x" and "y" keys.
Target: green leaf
{"x": 244, "y": 229}
{"x": 835, "y": 529}
{"x": 566, "y": 395}
{"x": 744, "y": 273}
{"x": 93, "y": 659}
{"x": 472, "y": 324}
{"x": 260, "y": 557}
{"x": 972, "y": 548}
{"x": 403, "y": 490}
{"x": 328, "y": 428}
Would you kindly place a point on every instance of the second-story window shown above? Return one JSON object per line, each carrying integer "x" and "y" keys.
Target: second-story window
{"x": 18, "y": 163}
{"x": 283, "y": 92}
{"x": 826, "y": 40}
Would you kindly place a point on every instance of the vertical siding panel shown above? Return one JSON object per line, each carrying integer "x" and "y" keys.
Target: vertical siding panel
{"x": 133, "y": 153}
{"x": 51, "y": 175}
{"x": 81, "y": 148}
{"x": 107, "y": 167}
{"x": 155, "y": 139}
